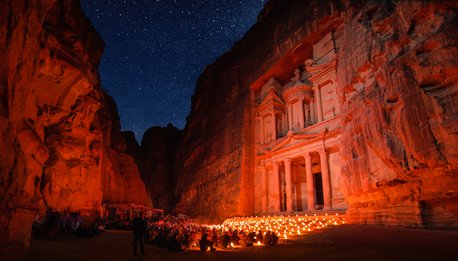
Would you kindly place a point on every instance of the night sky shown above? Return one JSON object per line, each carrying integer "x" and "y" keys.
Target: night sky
{"x": 156, "y": 49}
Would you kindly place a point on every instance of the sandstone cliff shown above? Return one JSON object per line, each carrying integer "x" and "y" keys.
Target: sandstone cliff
{"x": 216, "y": 156}
{"x": 398, "y": 73}
{"x": 60, "y": 140}
{"x": 397, "y": 84}
{"x": 158, "y": 150}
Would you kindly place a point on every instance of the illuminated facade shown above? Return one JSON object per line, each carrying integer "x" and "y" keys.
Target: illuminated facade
{"x": 297, "y": 138}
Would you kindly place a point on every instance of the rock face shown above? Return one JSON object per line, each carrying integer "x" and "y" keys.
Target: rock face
{"x": 61, "y": 144}
{"x": 158, "y": 150}
{"x": 121, "y": 179}
{"x": 398, "y": 73}
{"x": 397, "y": 86}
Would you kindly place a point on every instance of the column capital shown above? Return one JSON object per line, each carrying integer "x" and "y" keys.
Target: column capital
{"x": 322, "y": 150}
{"x": 287, "y": 161}
{"x": 307, "y": 155}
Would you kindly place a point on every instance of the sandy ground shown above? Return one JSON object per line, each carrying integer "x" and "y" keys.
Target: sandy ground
{"x": 348, "y": 242}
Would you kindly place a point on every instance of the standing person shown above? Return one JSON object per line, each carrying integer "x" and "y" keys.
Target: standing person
{"x": 139, "y": 229}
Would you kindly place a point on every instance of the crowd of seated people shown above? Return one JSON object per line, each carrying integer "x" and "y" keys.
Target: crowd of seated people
{"x": 55, "y": 224}
{"x": 177, "y": 234}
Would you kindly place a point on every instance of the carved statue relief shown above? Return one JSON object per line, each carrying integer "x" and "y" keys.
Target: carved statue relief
{"x": 279, "y": 128}
{"x": 297, "y": 75}
{"x": 307, "y": 113}
{"x": 305, "y": 76}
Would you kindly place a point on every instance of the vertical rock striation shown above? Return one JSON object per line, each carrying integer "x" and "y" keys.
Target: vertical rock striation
{"x": 398, "y": 72}
{"x": 59, "y": 137}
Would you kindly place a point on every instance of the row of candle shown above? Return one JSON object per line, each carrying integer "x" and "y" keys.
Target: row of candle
{"x": 285, "y": 227}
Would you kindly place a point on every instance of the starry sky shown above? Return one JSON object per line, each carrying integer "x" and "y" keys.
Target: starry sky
{"x": 156, "y": 49}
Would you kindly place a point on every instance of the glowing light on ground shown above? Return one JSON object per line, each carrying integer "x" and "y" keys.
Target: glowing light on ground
{"x": 286, "y": 227}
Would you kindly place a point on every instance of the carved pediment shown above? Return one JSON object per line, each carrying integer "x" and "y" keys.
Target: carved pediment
{"x": 271, "y": 102}
{"x": 292, "y": 138}
{"x": 319, "y": 70}
{"x": 271, "y": 85}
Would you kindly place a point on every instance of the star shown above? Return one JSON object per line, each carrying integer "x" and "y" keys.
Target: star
{"x": 156, "y": 50}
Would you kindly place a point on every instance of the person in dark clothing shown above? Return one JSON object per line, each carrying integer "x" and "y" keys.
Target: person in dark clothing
{"x": 251, "y": 238}
{"x": 235, "y": 237}
{"x": 174, "y": 244}
{"x": 162, "y": 238}
{"x": 268, "y": 239}
{"x": 225, "y": 240}
{"x": 260, "y": 237}
{"x": 215, "y": 237}
{"x": 139, "y": 229}
{"x": 273, "y": 239}
{"x": 52, "y": 224}
{"x": 206, "y": 244}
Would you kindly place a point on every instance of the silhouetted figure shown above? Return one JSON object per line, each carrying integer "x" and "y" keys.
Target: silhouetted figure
{"x": 273, "y": 239}
{"x": 235, "y": 237}
{"x": 260, "y": 237}
{"x": 225, "y": 240}
{"x": 215, "y": 237}
{"x": 206, "y": 244}
{"x": 52, "y": 224}
{"x": 252, "y": 237}
{"x": 174, "y": 244}
{"x": 267, "y": 239}
{"x": 139, "y": 229}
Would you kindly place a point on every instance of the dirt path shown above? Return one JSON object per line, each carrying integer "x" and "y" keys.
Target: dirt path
{"x": 348, "y": 242}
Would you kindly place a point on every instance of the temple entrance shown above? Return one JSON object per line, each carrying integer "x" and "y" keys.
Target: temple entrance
{"x": 319, "y": 201}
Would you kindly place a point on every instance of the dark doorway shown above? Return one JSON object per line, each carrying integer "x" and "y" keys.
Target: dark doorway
{"x": 318, "y": 189}
{"x": 283, "y": 198}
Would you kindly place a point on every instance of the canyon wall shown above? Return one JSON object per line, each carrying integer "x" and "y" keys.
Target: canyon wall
{"x": 61, "y": 144}
{"x": 157, "y": 156}
{"x": 398, "y": 75}
{"x": 397, "y": 86}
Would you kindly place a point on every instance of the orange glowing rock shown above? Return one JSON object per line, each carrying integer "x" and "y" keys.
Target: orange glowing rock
{"x": 390, "y": 101}
{"x": 57, "y": 126}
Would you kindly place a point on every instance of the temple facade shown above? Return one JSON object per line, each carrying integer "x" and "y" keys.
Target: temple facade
{"x": 297, "y": 132}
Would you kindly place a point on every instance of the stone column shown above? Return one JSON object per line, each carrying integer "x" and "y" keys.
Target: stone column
{"x": 326, "y": 178}
{"x": 274, "y": 126}
{"x": 301, "y": 113}
{"x": 285, "y": 124}
{"x": 319, "y": 110}
{"x": 310, "y": 181}
{"x": 263, "y": 132}
{"x": 276, "y": 184}
{"x": 290, "y": 117}
{"x": 313, "y": 111}
{"x": 264, "y": 190}
{"x": 289, "y": 191}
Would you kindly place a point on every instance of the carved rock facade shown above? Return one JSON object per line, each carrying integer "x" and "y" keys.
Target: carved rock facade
{"x": 386, "y": 121}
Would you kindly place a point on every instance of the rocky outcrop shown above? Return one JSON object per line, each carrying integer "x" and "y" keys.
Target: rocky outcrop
{"x": 158, "y": 150}
{"x": 56, "y": 124}
{"x": 398, "y": 73}
{"x": 121, "y": 179}
{"x": 397, "y": 85}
